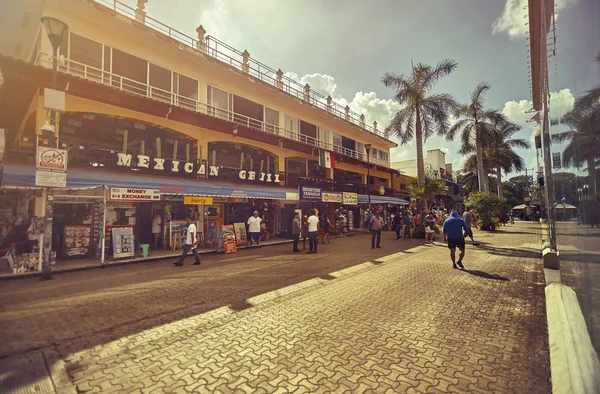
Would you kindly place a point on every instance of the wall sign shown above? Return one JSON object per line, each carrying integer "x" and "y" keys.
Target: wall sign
{"x": 51, "y": 167}
{"x": 193, "y": 200}
{"x": 180, "y": 168}
{"x": 350, "y": 198}
{"x": 309, "y": 193}
{"x": 331, "y": 197}
{"x": 123, "y": 243}
{"x": 134, "y": 194}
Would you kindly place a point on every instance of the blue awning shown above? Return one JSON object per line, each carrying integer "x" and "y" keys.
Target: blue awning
{"x": 364, "y": 199}
{"x": 24, "y": 176}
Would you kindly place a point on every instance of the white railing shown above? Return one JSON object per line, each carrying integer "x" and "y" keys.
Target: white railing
{"x": 142, "y": 89}
{"x": 233, "y": 57}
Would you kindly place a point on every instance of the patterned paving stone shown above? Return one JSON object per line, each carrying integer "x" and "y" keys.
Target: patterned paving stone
{"x": 403, "y": 321}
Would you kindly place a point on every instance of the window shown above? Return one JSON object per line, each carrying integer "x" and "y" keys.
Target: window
{"x": 360, "y": 149}
{"x": 271, "y": 120}
{"x": 133, "y": 69}
{"x": 85, "y": 52}
{"x": 219, "y": 102}
{"x": 186, "y": 89}
{"x": 323, "y": 137}
{"x": 337, "y": 139}
{"x": 291, "y": 128}
{"x": 160, "y": 79}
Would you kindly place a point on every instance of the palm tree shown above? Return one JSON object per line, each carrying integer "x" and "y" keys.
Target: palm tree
{"x": 584, "y": 136}
{"x": 428, "y": 190}
{"x": 475, "y": 121}
{"x": 498, "y": 150}
{"x": 469, "y": 177}
{"x": 423, "y": 112}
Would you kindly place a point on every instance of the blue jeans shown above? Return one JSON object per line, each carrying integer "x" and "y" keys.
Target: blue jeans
{"x": 186, "y": 249}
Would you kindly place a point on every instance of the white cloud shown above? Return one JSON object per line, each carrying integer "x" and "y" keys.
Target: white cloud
{"x": 513, "y": 18}
{"x": 560, "y": 103}
{"x": 216, "y": 19}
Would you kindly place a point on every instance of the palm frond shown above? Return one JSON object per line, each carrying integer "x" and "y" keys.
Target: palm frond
{"x": 402, "y": 125}
{"x": 443, "y": 68}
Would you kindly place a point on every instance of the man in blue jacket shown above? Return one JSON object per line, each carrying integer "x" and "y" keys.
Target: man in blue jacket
{"x": 453, "y": 234}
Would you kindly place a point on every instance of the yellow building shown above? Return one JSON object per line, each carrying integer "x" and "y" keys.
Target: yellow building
{"x": 151, "y": 108}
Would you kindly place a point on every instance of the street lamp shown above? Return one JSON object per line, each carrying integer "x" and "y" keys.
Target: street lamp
{"x": 368, "y": 149}
{"x": 585, "y": 192}
{"x": 56, "y": 30}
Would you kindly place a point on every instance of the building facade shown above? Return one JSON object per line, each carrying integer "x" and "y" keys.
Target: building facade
{"x": 436, "y": 168}
{"x": 156, "y": 122}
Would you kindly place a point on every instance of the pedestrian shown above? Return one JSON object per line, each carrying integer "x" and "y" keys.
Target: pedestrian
{"x": 397, "y": 224}
{"x": 453, "y": 234}
{"x": 191, "y": 242}
{"x": 512, "y": 217}
{"x": 470, "y": 221}
{"x": 254, "y": 229}
{"x": 406, "y": 221}
{"x": 429, "y": 227}
{"x": 376, "y": 226}
{"x": 313, "y": 232}
{"x": 417, "y": 219}
{"x": 156, "y": 227}
{"x": 304, "y": 232}
{"x": 326, "y": 229}
{"x": 33, "y": 236}
{"x": 296, "y": 228}
{"x": 503, "y": 217}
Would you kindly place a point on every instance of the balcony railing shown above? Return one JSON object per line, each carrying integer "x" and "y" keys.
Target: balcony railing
{"x": 233, "y": 57}
{"x": 335, "y": 185}
{"x": 142, "y": 89}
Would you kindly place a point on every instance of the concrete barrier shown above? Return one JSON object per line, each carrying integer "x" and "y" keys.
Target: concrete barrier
{"x": 574, "y": 364}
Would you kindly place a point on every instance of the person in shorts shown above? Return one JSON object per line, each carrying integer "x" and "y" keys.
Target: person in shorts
{"x": 429, "y": 227}
{"x": 470, "y": 221}
{"x": 254, "y": 229}
{"x": 453, "y": 234}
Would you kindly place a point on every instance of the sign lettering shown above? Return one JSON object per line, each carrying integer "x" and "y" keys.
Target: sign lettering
{"x": 193, "y": 200}
{"x": 134, "y": 194}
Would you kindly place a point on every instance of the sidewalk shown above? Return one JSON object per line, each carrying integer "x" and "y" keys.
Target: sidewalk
{"x": 348, "y": 318}
{"x": 83, "y": 264}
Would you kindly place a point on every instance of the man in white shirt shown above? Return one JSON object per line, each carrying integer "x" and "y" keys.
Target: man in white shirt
{"x": 254, "y": 228}
{"x": 190, "y": 243}
{"x": 313, "y": 232}
{"x": 34, "y": 238}
{"x": 156, "y": 227}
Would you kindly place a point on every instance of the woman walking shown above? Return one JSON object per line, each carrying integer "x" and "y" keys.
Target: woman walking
{"x": 326, "y": 229}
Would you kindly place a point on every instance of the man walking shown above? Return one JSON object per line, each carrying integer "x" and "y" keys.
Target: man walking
{"x": 313, "y": 232}
{"x": 296, "y": 228}
{"x": 254, "y": 229}
{"x": 429, "y": 227}
{"x": 376, "y": 226}
{"x": 453, "y": 234}
{"x": 156, "y": 228}
{"x": 407, "y": 223}
{"x": 190, "y": 243}
{"x": 469, "y": 219}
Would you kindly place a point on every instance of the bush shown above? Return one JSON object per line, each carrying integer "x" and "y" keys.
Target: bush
{"x": 489, "y": 224}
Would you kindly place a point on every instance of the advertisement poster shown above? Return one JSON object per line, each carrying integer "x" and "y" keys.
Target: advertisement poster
{"x": 212, "y": 234}
{"x": 123, "y": 243}
{"x": 331, "y": 197}
{"x": 77, "y": 241}
{"x": 240, "y": 234}
{"x": 309, "y": 193}
{"x": 228, "y": 235}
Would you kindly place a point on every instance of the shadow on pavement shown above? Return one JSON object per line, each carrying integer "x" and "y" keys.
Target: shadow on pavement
{"x": 485, "y": 275}
{"x": 510, "y": 252}
{"x": 241, "y": 305}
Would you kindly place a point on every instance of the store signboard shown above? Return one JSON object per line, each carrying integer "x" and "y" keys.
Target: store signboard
{"x": 123, "y": 243}
{"x": 134, "y": 194}
{"x": 51, "y": 167}
{"x": 308, "y": 193}
{"x": 331, "y": 197}
{"x": 193, "y": 200}
{"x": 350, "y": 198}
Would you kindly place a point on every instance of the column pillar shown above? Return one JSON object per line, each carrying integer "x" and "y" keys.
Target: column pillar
{"x": 307, "y": 93}
{"x": 140, "y": 14}
{"x": 246, "y": 64}
{"x": 279, "y": 75}
{"x": 201, "y": 43}
{"x": 347, "y": 113}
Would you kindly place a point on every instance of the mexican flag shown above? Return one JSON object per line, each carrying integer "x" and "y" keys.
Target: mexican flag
{"x": 326, "y": 159}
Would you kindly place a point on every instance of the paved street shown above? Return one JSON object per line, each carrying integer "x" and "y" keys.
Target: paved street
{"x": 580, "y": 269}
{"x": 398, "y": 319}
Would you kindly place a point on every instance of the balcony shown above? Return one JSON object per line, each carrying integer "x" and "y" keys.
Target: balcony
{"x": 127, "y": 85}
{"x": 331, "y": 185}
{"x": 226, "y": 54}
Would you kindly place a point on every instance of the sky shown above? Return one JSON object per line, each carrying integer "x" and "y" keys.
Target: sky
{"x": 343, "y": 47}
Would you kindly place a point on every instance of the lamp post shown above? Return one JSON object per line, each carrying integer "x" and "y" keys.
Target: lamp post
{"x": 56, "y": 30}
{"x": 368, "y": 149}
{"x": 585, "y": 192}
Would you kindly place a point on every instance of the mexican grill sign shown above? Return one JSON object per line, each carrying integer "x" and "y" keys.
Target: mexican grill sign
{"x": 180, "y": 168}
{"x": 134, "y": 194}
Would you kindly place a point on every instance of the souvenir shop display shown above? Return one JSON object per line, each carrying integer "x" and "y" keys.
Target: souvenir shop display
{"x": 77, "y": 241}
{"x": 241, "y": 238}
{"x": 341, "y": 221}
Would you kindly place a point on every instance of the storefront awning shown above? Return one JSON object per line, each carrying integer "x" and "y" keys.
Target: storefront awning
{"x": 24, "y": 176}
{"x": 364, "y": 199}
